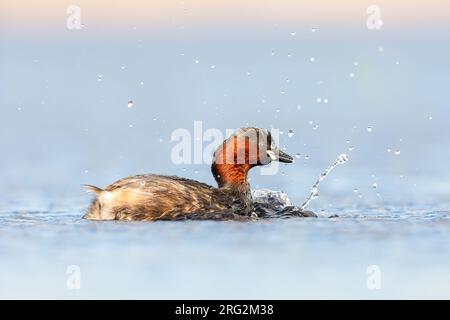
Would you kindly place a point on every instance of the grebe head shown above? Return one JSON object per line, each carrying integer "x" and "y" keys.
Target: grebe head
{"x": 243, "y": 150}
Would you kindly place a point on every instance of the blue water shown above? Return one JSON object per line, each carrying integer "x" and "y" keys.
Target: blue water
{"x": 60, "y": 127}
{"x": 293, "y": 258}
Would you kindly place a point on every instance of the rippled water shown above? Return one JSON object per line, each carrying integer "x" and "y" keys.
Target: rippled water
{"x": 277, "y": 258}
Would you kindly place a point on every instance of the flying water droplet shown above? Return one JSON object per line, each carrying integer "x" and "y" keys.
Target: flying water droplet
{"x": 397, "y": 152}
{"x": 369, "y": 129}
{"x": 343, "y": 158}
{"x": 297, "y": 155}
{"x": 306, "y": 157}
{"x": 315, "y": 127}
{"x": 99, "y": 77}
{"x": 351, "y": 148}
{"x": 374, "y": 185}
{"x": 290, "y": 133}
{"x": 130, "y": 104}
{"x": 314, "y": 193}
{"x": 351, "y": 75}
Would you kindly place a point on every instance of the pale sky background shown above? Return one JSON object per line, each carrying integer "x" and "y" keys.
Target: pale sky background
{"x": 47, "y": 17}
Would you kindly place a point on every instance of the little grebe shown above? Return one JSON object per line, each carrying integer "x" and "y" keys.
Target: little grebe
{"x": 158, "y": 197}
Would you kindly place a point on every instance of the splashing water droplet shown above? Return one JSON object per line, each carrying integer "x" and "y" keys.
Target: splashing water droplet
{"x": 388, "y": 149}
{"x": 355, "y": 190}
{"x": 86, "y": 171}
{"x": 283, "y": 173}
{"x": 351, "y": 75}
{"x": 297, "y": 155}
{"x": 355, "y": 63}
{"x": 306, "y": 157}
{"x": 374, "y": 185}
{"x": 299, "y": 107}
{"x": 430, "y": 118}
{"x": 272, "y": 53}
{"x": 99, "y": 77}
{"x": 315, "y": 127}
{"x": 343, "y": 158}
{"x": 290, "y": 133}
{"x": 369, "y": 129}
{"x": 351, "y": 148}
{"x": 313, "y": 29}
{"x": 142, "y": 183}
{"x": 130, "y": 104}
{"x": 325, "y": 100}
{"x": 397, "y": 152}
{"x": 312, "y": 59}
{"x": 319, "y": 100}
{"x": 314, "y": 193}
{"x": 130, "y": 126}
{"x": 293, "y": 33}
{"x": 277, "y": 110}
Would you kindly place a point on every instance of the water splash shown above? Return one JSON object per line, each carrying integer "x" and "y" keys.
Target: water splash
{"x": 314, "y": 193}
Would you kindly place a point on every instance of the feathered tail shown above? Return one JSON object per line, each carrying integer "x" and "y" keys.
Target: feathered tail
{"x": 94, "y": 211}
